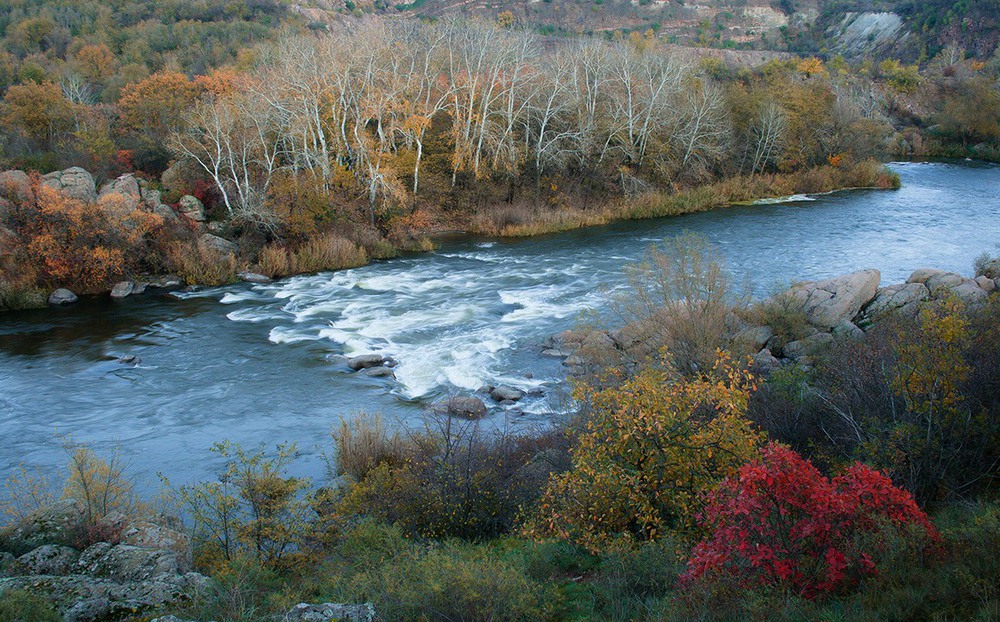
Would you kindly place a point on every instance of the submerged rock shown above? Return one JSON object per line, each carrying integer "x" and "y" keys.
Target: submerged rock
{"x": 378, "y": 372}
{"x": 365, "y": 361}
{"x": 463, "y": 407}
{"x": 506, "y": 394}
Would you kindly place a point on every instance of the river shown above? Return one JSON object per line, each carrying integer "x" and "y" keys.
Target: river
{"x": 259, "y": 363}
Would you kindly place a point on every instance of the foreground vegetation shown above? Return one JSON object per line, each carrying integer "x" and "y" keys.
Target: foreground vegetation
{"x": 690, "y": 485}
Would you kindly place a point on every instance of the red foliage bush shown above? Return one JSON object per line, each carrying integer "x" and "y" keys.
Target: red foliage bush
{"x": 781, "y": 523}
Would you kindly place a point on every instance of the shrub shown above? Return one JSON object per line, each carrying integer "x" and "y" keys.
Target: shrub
{"x": 364, "y": 443}
{"x": 681, "y": 299}
{"x": 23, "y": 606}
{"x": 328, "y": 252}
{"x": 453, "y": 581}
{"x": 198, "y": 264}
{"x": 101, "y": 486}
{"x": 251, "y": 510}
{"x": 454, "y": 480}
{"x": 241, "y": 589}
{"x": 651, "y": 446}
{"x": 781, "y": 523}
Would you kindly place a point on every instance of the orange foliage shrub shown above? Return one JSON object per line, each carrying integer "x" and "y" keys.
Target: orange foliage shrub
{"x": 82, "y": 245}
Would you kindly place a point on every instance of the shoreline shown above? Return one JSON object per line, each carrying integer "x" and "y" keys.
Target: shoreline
{"x": 511, "y": 222}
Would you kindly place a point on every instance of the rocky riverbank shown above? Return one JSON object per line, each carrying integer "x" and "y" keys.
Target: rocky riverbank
{"x": 842, "y": 307}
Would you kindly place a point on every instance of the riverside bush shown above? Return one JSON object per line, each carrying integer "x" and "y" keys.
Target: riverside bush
{"x": 781, "y": 523}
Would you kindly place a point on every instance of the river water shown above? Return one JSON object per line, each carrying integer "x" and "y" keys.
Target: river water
{"x": 260, "y": 363}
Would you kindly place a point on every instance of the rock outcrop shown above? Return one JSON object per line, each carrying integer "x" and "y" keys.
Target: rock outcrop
{"x": 145, "y": 568}
{"x": 832, "y": 301}
{"x": 74, "y": 182}
{"x": 126, "y": 187}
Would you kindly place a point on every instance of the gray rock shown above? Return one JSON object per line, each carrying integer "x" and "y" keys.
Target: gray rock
{"x": 922, "y": 275}
{"x": 991, "y": 269}
{"x": 765, "y": 362}
{"x": 808, "y": 347}
{"x": 253, "y": 277}
{"x": 148, "y": 535}
{"x": 125, "y": 187}
{"x": 62, "y": 296}
{"x": 216, "y": 227}
{"x": 166, "y": 281}
{"x": 326, "y": 612}
{"x": 122, "y": 289}
{"x": 190, "y": 207}
{"x": 54, "y": 523}
{"x": 969, "y": 292}
{"x": 127, "y": 563}
{"x": 464, "y": 407}
{"x": 847, "y": 330}
{"x": 941, "y": 284}
{"x": 556, "y": 353}
{"x": 165, "y": 212}
{"x": 378, "y": 372}
{"x": 986, "y": 284}
{"x": 755, "y": 337}
{"x": 74, "y": 182}
{"x": 16, "y": 185}
{"x": 904, "y": 299}
{"x": 832, "y": 301}
{"x": 217, "y": 244}
{"x": 505, "y": 393}
{"x": 49, "y": 559}
{"x": 365, "y": 361}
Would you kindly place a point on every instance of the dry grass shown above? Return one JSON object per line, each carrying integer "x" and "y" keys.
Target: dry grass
{"x": 365, "y": 442}
{"x": 317, "y": 254}
{"x": 199, "y": 265}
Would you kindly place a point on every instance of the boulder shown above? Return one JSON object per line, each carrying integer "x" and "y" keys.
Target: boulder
{"x": 755, "y": 337}
{"x": 991, "y": 269}
{"x": 832, "y": 301}
{"x": 765, "y": 362}
{"x": 506, "y": 394}
{"x": 190, "y": 207}
{"x": 217, "y": 244}
{"x": 986, "y": 284}
{"x": 253, "y": 277}
{"x": 304, "y": 612}
{"x": 904, "y": 299}
{"x": 152, "y": 536}
{"x": 464, "y": 407}
{"x": 365, "y": 361}
{"x": 14, "y": 185}
{"x": 922, "y": 275}
{"x": 50, "y": 559}
{"x": 165, "y": 212}
{"x": 62, "y": 296}
{"x": 166, "y": 281}
{"x": 73, "y": 182}
{"x": 847, "y": 330}
{"x": 969, "y": 292}
{"x": 54, "y": 523}
{"x": 797, "y": 350}
{"x": 126, "y": 563}
{"x": 180, "y": 176}
{"x": 125, "y": 187}
{"x": 378, "y": 372}
{"x": 940, "y": 284}
{"x": 122, "y": 289}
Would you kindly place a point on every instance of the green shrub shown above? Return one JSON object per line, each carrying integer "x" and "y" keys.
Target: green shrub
{"x": 23, "y": 606}
{"x": 453, "y": 582}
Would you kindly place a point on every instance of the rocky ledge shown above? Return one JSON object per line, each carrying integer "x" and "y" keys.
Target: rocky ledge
{"x": 136, "y": 567}
{"x": 845, "y": 306}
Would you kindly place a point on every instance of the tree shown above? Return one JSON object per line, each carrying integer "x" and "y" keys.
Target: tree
{"x": 40, "y": 111}
{"x": 780, "y": 523}
{"x": 650, "y": 448}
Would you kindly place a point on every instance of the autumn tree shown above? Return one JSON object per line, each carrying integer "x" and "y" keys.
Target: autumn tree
{"x": 40, "y": 111}
{"x": 650, "y": 448}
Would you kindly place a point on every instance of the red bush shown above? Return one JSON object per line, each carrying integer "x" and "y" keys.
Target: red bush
{"x": 781, "y": 523}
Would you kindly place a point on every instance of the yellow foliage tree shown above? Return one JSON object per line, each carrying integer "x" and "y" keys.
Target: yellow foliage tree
{"x": 651, "y": 447}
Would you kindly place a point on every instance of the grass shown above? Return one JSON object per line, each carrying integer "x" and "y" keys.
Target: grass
{"x": 525, "y": 221}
